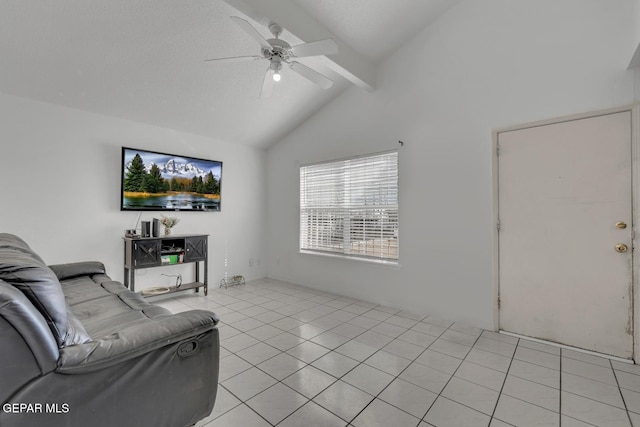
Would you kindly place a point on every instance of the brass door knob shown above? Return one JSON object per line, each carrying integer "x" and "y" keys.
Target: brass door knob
{"x": 621, "y": 225}
{"x": 621, "y": 247}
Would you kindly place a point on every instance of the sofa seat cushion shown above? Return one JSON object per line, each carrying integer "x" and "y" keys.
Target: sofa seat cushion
{"x": 25, "y": 270}
{"x": 106, "y": 307}
{"x": 84, "y": 288}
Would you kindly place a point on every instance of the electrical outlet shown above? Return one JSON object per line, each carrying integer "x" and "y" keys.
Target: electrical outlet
{"x": 250, "y": 262}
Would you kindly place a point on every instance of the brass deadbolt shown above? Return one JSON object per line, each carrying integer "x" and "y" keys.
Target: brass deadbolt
{"x": 621, "y": 247}
{"x": 621, "y": 225}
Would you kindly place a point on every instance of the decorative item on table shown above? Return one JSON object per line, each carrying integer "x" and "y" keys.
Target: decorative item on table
{"x": 168, "y": 222}
{"x": 146, "y": 229}
{"x": 131, "y": 233}
{"x": 170, "y": 259}
{"x": 158, "y": 290}
{"x": 155, "y": 228}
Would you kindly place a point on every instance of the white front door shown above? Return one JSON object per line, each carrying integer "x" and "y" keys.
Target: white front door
{"x": 565, "y": 239}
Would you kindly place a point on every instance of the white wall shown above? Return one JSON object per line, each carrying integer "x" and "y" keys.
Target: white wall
{"x": 636, "y": 15}
{"x": 482, "y": 66}
{"x": 636, "y": 44}
{"x": 60, "y": 178}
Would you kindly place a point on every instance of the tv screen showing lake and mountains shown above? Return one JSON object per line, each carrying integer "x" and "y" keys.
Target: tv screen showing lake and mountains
{"x": 157, "y": 181}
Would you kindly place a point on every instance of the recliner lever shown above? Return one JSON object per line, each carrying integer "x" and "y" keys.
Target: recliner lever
{"x": 188, "y": 348}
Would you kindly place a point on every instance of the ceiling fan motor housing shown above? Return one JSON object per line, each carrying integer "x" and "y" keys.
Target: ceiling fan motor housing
{"x": 279, "y": 49}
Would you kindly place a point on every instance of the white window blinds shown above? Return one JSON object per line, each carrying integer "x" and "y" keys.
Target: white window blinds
{"x": 350, "y": 207}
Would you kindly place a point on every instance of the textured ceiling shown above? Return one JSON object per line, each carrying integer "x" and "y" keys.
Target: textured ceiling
{"x": 143, "y": 60}
{"x": 376, "y": 27}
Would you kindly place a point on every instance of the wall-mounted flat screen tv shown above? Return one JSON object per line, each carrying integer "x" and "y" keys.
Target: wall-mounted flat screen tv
{"x": 154, "y": 181}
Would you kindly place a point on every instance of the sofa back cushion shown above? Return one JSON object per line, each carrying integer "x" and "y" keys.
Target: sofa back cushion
{"x": 28, "y": 349}
{"x": 25, "y": 270}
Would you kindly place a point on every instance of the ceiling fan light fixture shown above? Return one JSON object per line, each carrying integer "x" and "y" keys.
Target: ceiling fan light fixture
{"x": 276, "y": 66}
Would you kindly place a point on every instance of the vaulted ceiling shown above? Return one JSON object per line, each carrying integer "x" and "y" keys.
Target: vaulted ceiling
{"x": 144, "y": 60}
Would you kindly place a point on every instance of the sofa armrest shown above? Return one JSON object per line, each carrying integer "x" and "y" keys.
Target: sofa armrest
{"x": 74, "y": 269}
{"x": 172, "y": 381}
{"x": 135, "y": 341}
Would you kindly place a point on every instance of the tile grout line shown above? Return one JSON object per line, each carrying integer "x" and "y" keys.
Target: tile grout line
{"x": 560, "y": 392}
{"x": 506, "y": 375}
{"x": 594, "y": 399}
{"x": 559, "y": 386}
{"x": 398, "y": 377}
{"x": 349, "y": 423}
{"x": 361, "y": 362}
{"x": 450, "y": 377}
{"x": 367, "y": 329}
{"x": 334, "y": 350}
{"x": 624, "y": 402}
{"x": 570, "y": 348}
{"x": 242, "y": 402}
{"x": 307, "y": 364}
{"x": 266, "y": 373}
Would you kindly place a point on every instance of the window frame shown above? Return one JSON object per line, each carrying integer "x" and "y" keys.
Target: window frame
{"x": 387, "y": 214}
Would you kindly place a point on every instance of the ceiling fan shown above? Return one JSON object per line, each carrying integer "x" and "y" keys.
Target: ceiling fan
{"x": 279, "y": 52}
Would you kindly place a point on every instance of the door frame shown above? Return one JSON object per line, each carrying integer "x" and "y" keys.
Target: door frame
{"x": 635, "y": 196}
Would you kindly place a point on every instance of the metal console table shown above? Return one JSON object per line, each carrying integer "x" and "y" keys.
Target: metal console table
{"x": 149, "y": 252}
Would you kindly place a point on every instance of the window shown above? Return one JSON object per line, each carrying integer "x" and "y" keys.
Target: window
{"x": 349, "y": 207}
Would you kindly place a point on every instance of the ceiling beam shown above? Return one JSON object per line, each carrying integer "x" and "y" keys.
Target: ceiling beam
{"x": 635, "y": 59}
{"x": 289, "y": 15}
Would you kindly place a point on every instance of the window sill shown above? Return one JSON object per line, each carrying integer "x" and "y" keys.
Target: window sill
{"x": 381, "y": 262}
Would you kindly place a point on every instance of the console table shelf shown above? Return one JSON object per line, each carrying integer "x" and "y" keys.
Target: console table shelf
{"x": 149, "y": 252}
{"x": 171, "y": 289}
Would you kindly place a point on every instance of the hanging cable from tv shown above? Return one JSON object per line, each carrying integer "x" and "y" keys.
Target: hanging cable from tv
{"x": 178, "y": 278}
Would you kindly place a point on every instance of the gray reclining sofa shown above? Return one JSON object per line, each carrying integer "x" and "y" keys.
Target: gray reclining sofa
{"x": 78, "y": 349}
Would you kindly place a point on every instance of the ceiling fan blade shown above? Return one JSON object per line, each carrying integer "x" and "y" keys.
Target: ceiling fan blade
{"x": 248, "y": 28}
{"x": 267, "y": 84}
{"x": 314, "y": 76}
{"x": 321, "y": 47}
{"x": 235, "y": 58}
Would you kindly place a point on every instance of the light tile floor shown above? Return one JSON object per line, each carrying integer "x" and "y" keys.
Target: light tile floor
{"x": 293, "y": 356}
